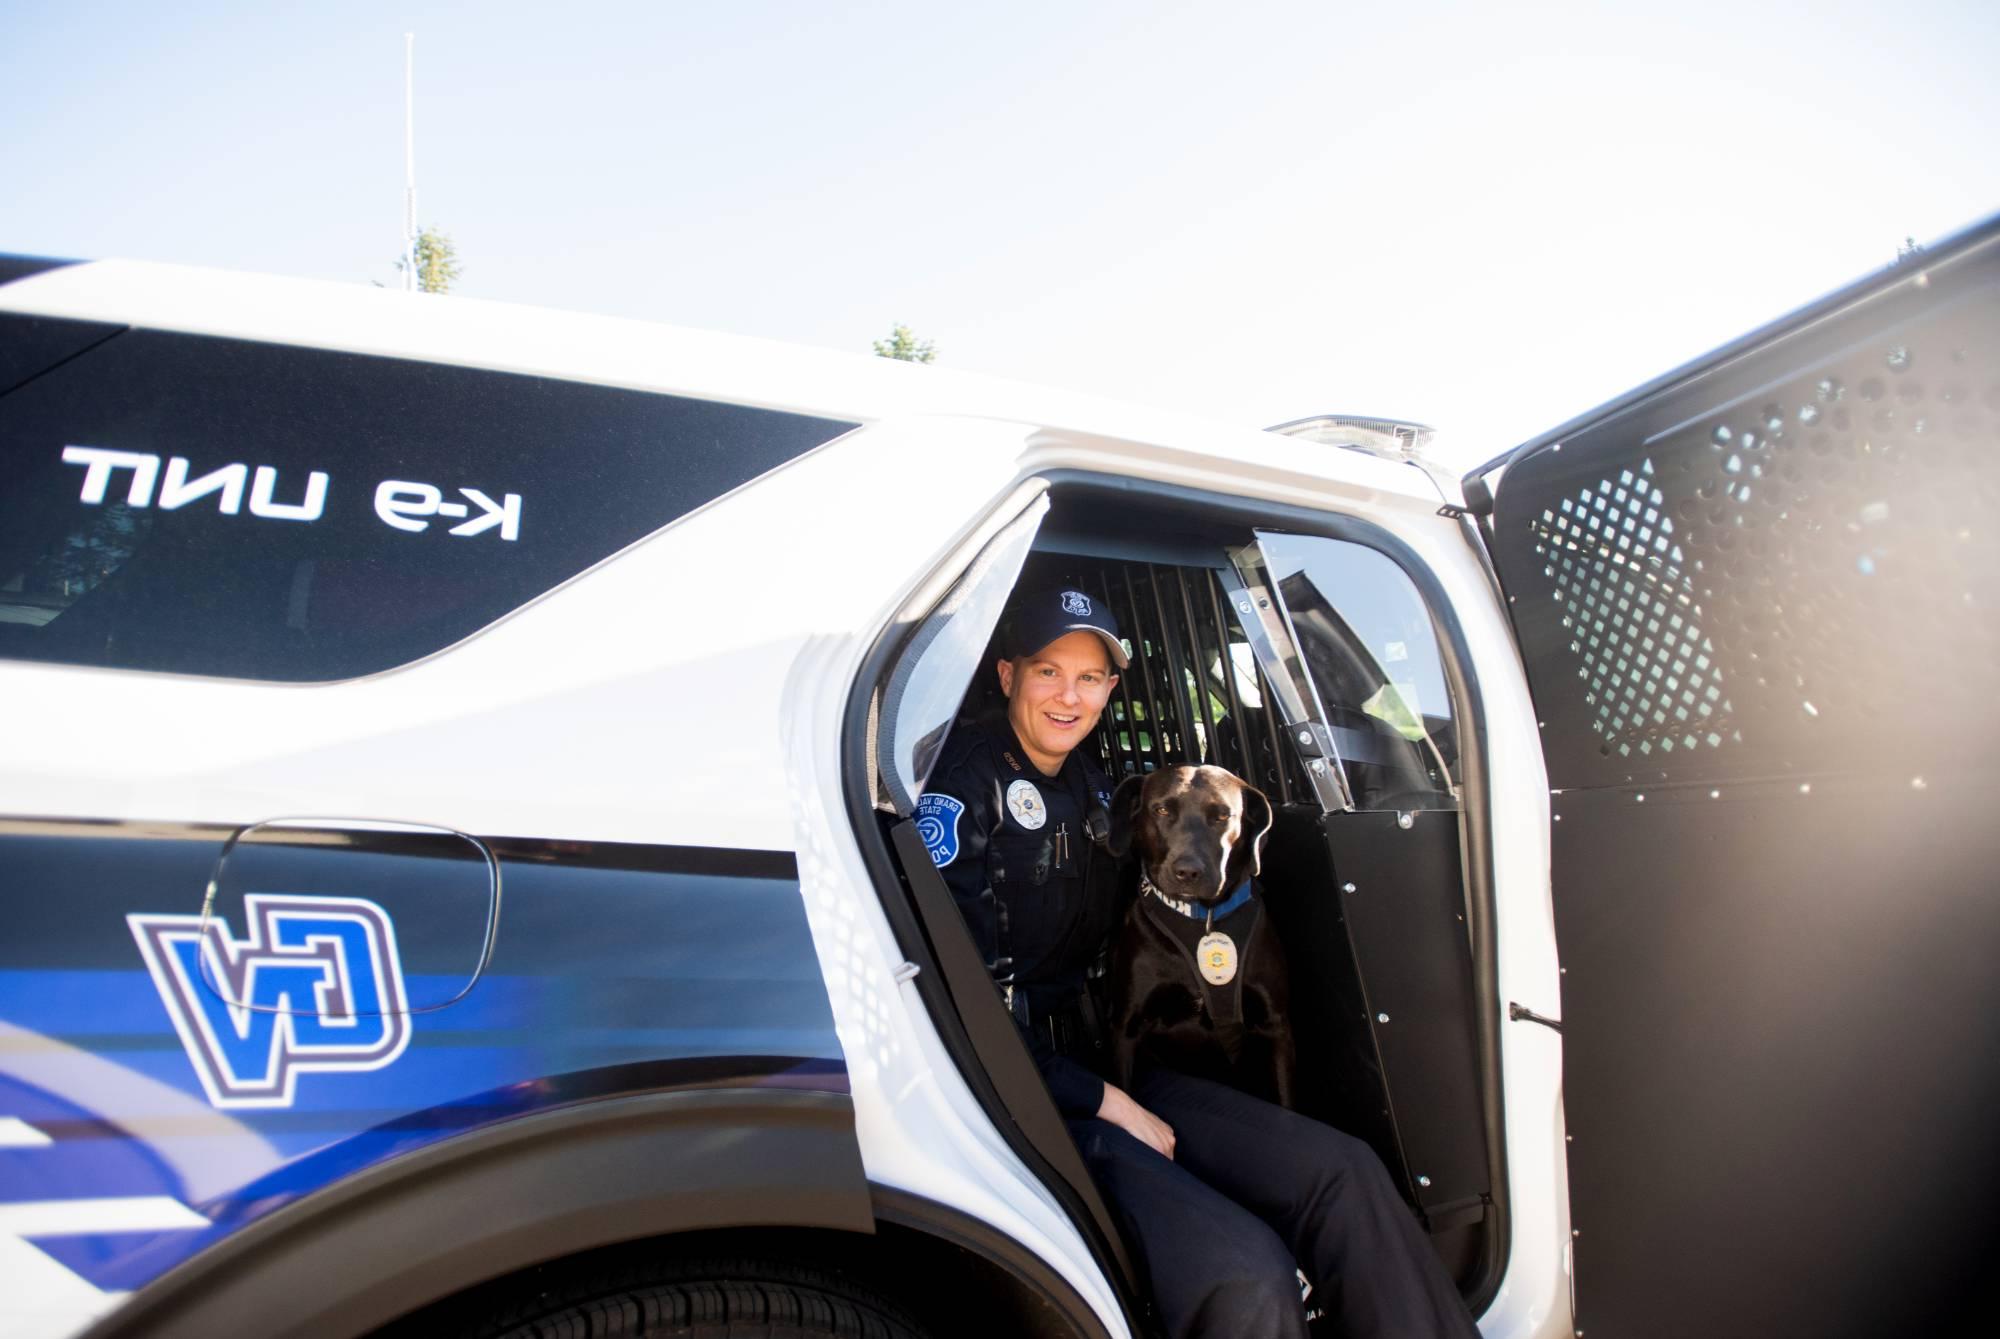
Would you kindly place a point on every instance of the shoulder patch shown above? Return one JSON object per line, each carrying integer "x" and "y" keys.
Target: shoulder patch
{"x": 937, "y": 824}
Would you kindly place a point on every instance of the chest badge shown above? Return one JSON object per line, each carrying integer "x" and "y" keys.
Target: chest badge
{"x": 1215, "y": 955}
{"x": 1025, "y": 803}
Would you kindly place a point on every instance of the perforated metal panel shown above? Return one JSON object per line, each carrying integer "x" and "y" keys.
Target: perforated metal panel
{"x": 1628, "y": 601}
{"x": 1759, "y": 603}
{"x": 1787, "y": 562}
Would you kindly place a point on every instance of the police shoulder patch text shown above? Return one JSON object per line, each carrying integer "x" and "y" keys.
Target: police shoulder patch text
{"x": 937, "y": 824}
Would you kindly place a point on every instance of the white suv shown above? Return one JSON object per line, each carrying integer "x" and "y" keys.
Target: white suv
{"x": 456, "y": 790}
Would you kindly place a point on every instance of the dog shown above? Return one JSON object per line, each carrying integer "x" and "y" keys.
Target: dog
{"x": 1197, "y": 978}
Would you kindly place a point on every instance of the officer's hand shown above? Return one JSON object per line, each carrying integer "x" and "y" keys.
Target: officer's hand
{"x": 1119, "y": 1108}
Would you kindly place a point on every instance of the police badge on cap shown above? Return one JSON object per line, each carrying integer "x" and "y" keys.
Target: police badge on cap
{"x": 1036, "y": 618}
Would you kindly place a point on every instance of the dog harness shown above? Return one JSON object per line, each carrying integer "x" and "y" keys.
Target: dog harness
{"x": 1217, "y": 957}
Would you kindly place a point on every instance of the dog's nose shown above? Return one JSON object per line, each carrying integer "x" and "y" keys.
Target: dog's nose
{"x": 1187, "y": 871}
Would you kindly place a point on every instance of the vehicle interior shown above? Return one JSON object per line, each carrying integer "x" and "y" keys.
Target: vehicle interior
{"x": 1311, "y": 665}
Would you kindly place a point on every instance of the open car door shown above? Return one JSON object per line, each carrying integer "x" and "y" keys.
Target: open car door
{"x": 1759, "y": 606}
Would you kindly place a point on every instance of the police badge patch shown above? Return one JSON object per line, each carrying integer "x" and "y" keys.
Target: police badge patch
{"x": 1025, "y": 803}
{"x": 1076, "y": 602}
{"x": 937, "y": 824}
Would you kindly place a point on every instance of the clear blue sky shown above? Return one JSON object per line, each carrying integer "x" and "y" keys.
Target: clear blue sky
{"x": 1484, "y": 216}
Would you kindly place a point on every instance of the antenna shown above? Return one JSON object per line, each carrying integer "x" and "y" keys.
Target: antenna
{"x": 409, "y": 163}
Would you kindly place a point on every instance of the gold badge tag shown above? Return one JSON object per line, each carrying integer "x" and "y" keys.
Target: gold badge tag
{"x": 1215, "y": 955}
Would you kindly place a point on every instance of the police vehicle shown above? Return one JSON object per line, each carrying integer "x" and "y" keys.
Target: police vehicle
{"x": 459, "y": 873}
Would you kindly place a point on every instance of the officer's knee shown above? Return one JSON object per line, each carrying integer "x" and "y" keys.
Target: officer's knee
{"x": 1338, "y": 1159}
{"x": 1345, "y": 1150}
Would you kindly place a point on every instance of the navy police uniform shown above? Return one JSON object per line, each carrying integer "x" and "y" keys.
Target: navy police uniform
{"x": 1253, "y": 1190}
{"x": 1013, "y": 846}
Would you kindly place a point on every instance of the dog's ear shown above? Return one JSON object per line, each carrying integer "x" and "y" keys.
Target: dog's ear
{"x": 1246, "y": 858}
{"x": 1124, "y": 814}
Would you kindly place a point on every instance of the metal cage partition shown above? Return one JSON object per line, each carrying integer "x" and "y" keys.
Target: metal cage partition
{"x": 1193, "y": 692}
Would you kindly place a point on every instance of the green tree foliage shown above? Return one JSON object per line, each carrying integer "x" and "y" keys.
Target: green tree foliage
{"x": 905, "y": 347}
{"x": 438, "y": 267}
{"x": 1909, "y": 250}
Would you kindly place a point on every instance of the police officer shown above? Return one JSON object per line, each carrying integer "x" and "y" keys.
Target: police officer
{"x": 1222, "y": 1195}
{"x": 1011, "y": 816}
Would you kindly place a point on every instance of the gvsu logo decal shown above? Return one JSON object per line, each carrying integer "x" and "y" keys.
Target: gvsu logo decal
{"x": 315, "y": 985}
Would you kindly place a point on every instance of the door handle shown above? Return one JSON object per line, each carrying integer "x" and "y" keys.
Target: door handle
{"x": 1521, "y": 1013}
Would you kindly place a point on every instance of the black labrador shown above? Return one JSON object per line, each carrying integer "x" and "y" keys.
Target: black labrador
{"x": 1198, "y": 978}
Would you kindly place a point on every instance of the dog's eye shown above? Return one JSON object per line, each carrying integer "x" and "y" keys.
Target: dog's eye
{"x": 1161, "y": 810}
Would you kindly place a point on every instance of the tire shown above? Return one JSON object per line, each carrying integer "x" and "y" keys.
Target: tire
{"x": 717, "y": 1299}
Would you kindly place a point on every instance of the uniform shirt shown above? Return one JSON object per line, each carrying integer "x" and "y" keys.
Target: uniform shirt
{"x": 1011, "y": 845}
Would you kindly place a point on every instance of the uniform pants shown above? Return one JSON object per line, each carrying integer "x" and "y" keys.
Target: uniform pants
{"x": 1253, "y": 1192}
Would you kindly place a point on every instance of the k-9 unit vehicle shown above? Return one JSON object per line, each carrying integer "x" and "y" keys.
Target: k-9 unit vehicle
{"x": 459, "y": 868}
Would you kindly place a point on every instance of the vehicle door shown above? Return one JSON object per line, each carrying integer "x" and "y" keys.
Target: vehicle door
{"x": 1345, "y": 638}
{"x": 929, "y": 662}
{"x": 1756, "y": 602}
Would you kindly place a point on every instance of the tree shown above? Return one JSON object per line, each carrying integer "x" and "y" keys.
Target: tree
{"x": 905, "y": 347}
{"x": 437, "y": 262}
{"x": 1909, "y": 250}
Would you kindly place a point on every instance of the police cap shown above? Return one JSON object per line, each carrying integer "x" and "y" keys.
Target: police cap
{"x": 1037, "y": 617}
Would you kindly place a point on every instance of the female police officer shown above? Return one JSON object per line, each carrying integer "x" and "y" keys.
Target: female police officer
{"x": 1219, "y": 1193}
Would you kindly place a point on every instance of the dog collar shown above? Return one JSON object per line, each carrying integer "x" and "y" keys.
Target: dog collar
{"x": 1194, "y": 911}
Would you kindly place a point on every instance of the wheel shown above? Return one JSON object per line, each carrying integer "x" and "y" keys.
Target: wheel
{"x": 715, "y": 1299}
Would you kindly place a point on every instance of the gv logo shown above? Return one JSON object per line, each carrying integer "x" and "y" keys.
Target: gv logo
{"x": 315, "y": 985}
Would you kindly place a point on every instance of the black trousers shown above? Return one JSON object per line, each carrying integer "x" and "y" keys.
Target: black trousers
{"x": 1254, "y": 1192}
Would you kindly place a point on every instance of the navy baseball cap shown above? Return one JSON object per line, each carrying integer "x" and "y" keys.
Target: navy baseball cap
{"x": 1036, "y": 618}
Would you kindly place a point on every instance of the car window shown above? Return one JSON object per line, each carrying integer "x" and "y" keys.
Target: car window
{"x": 929, "y": 682}
{"x": 1371, "y": 653}
{"x": 223, "y": 507}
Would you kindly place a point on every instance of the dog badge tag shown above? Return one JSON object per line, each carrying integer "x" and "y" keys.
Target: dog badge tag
{"x": 1215, "y": 955}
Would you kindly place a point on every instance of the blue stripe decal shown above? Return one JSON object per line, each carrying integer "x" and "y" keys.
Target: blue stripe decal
{"x": 615, "y": 970}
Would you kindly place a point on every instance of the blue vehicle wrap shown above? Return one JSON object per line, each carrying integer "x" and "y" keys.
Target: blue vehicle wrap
{"x": 615, "y": 970}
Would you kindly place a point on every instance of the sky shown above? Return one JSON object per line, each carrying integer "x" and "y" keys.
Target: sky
{"x": 1485, "y": 217}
